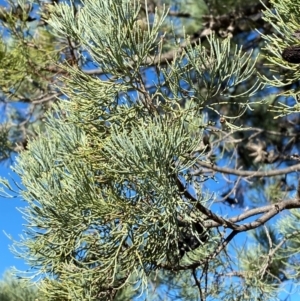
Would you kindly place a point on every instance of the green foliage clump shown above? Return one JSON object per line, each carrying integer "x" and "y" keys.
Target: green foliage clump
{"x": 15, "y": 290}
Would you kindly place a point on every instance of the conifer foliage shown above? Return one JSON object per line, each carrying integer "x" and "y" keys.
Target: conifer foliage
{"x": 115, "y": 182}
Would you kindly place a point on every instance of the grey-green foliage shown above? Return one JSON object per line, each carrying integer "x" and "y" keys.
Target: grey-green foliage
{"x": 288, "y": 227}
{"x": 101, "y": 183}
{"x": 285, "y": 22}
{"x": 14, "y": 290}
{"x": 28, "y": 51}
{"x": 126, "y": 226}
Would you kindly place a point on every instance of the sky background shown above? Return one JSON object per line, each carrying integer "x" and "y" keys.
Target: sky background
{"x": 11, "y": 222}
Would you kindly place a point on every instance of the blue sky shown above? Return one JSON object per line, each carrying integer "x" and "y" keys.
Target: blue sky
{"x": 11, "y": 222}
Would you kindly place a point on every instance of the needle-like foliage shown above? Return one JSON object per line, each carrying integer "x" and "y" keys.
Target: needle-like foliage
{"x": 114, "y": 185}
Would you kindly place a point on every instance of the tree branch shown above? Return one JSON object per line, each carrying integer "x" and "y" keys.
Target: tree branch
{"x": 246, "y": 173}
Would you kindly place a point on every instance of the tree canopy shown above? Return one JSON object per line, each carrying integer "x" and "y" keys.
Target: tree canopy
{"x": 13, "y": 290}
{"x": 160, "y": 150}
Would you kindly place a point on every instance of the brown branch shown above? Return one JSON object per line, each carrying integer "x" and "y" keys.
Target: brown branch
{"x": 45, "y": 98}
{"x": 276, "y": 208}
{"x": 216, "y": 221}
{"x": 249, "y": 226}
{"x": 269, "y": 210}
{"x": 183, "y": 15}
{"x": 208, "y": 213}
{"x": 213, "y": 220}
{"x": 208, "y": 258}
{"x": 246, "y": 173}
{"x": 197, "y": 283}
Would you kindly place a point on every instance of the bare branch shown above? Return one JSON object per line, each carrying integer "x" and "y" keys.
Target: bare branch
{"x": 246, "y": 173}
{"x": 269, "y": 210}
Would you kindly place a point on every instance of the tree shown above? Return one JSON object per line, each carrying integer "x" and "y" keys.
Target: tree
{"x": 117, "y": 184}
{"x": 13, "y": 290}
{"x": 30, "y": 53}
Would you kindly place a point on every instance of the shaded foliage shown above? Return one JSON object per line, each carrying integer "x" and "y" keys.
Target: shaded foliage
{"x": 14, "y": 290}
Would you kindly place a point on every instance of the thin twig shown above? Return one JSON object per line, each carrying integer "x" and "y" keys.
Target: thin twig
{"x": 246, "y": 173}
